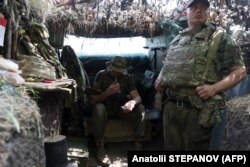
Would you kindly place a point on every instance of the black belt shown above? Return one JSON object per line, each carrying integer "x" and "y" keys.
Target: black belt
{"x": 180, "y": 103}
{"x": 182, "y": 92}
{"x": 180, "y": 96}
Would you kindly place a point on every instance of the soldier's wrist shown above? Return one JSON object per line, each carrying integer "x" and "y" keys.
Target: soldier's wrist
{"x": 215, "y": 89}
{"x": 133, "y": 101}
{"x": 106, "y": 93}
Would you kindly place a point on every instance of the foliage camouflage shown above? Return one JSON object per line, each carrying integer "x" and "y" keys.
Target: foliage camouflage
{"x": 118, "y": 17}
{"x": 21, "y": 129}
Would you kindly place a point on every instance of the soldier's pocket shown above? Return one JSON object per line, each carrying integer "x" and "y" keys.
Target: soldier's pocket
{"x": 208, "y": 110}
{"x": 209, "y": 113}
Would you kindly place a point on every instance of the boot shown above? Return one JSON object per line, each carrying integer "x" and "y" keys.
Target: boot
{"x": 101, "y": 156}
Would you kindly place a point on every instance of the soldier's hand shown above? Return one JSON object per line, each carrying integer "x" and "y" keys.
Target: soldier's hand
{"x": 206, "y": 91}
{"x": 129, "y": 106}
{"x": 113, "y": 88}
{"x": 158, "y": 87}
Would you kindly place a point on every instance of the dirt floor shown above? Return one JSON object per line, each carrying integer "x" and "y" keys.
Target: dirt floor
{"x": 117, "y": 151}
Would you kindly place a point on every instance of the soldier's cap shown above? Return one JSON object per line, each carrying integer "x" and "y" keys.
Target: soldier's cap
{"x": 191, "y": 2}
{"x": 118, "y": 64}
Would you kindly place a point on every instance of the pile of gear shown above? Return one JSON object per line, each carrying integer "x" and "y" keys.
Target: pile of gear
{"x": 21, "y": 130}
{"x": 37, "y": 58}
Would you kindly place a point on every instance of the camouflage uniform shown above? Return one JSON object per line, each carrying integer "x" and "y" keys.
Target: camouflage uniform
{"x": 188, "y": 120}
{"x": 110, "y": 108}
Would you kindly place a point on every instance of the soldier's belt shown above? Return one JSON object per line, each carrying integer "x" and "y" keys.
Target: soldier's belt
{"x": 180, "y": 103}
{"x": 180, "y": 93}
{"x": 180, "y": 96}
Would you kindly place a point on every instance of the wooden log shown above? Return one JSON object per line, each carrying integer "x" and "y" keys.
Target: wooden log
{"x": 8, "y": 39}
{"x": 14, "y": 46}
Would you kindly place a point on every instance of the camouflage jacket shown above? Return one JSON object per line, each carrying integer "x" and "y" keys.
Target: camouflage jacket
{"x": 187, "y": 57}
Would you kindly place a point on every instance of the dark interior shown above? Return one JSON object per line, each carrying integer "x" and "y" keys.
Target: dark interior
{"x": 137, "y": 65}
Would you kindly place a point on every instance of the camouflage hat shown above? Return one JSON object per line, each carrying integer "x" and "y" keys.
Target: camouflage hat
{"x": 118, "y": 64}
{"x": 191, "y": 2}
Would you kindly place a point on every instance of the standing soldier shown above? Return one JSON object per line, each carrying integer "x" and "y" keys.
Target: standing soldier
{"x": 201, "y": 63}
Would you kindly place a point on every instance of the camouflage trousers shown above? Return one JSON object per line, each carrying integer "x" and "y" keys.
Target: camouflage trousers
{"x": 100, "y": 115}
{"x": 181, "y": 128}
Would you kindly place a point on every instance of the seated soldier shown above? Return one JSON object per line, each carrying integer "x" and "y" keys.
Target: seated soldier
{"x": 119, "y": 98}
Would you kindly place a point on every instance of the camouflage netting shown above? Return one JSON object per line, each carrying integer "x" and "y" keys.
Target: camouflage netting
{"x": 97, "y": 18}
{"x": 237, "y": 130}
{"x": 21, "y": 134}
{"x": 116, "y": 18}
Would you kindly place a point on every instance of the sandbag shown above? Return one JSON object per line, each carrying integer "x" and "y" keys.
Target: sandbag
{"x": 35, "y": 68}
{"x": 11, "y": 77}
{"x": 8, "y": 65}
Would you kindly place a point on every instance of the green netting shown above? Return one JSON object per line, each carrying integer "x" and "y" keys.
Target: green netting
{"x": 171, "y": 28}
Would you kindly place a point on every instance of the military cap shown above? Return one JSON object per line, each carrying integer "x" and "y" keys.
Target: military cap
{"x": 191, "y": 2}
{"x": 118, "y": 64}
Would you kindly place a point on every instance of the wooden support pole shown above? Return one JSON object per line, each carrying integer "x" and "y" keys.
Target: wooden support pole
{"x": 14, "y": 46}
{"x": 8, "y": 39}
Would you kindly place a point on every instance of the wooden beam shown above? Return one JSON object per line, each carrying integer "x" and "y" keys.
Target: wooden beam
{"x": 14, "y": 45}
{"x": 8, "y": 39}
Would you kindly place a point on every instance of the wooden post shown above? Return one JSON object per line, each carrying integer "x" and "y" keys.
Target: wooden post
{"x": 8, "y": 39}
{"x": 14, "y": 46}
